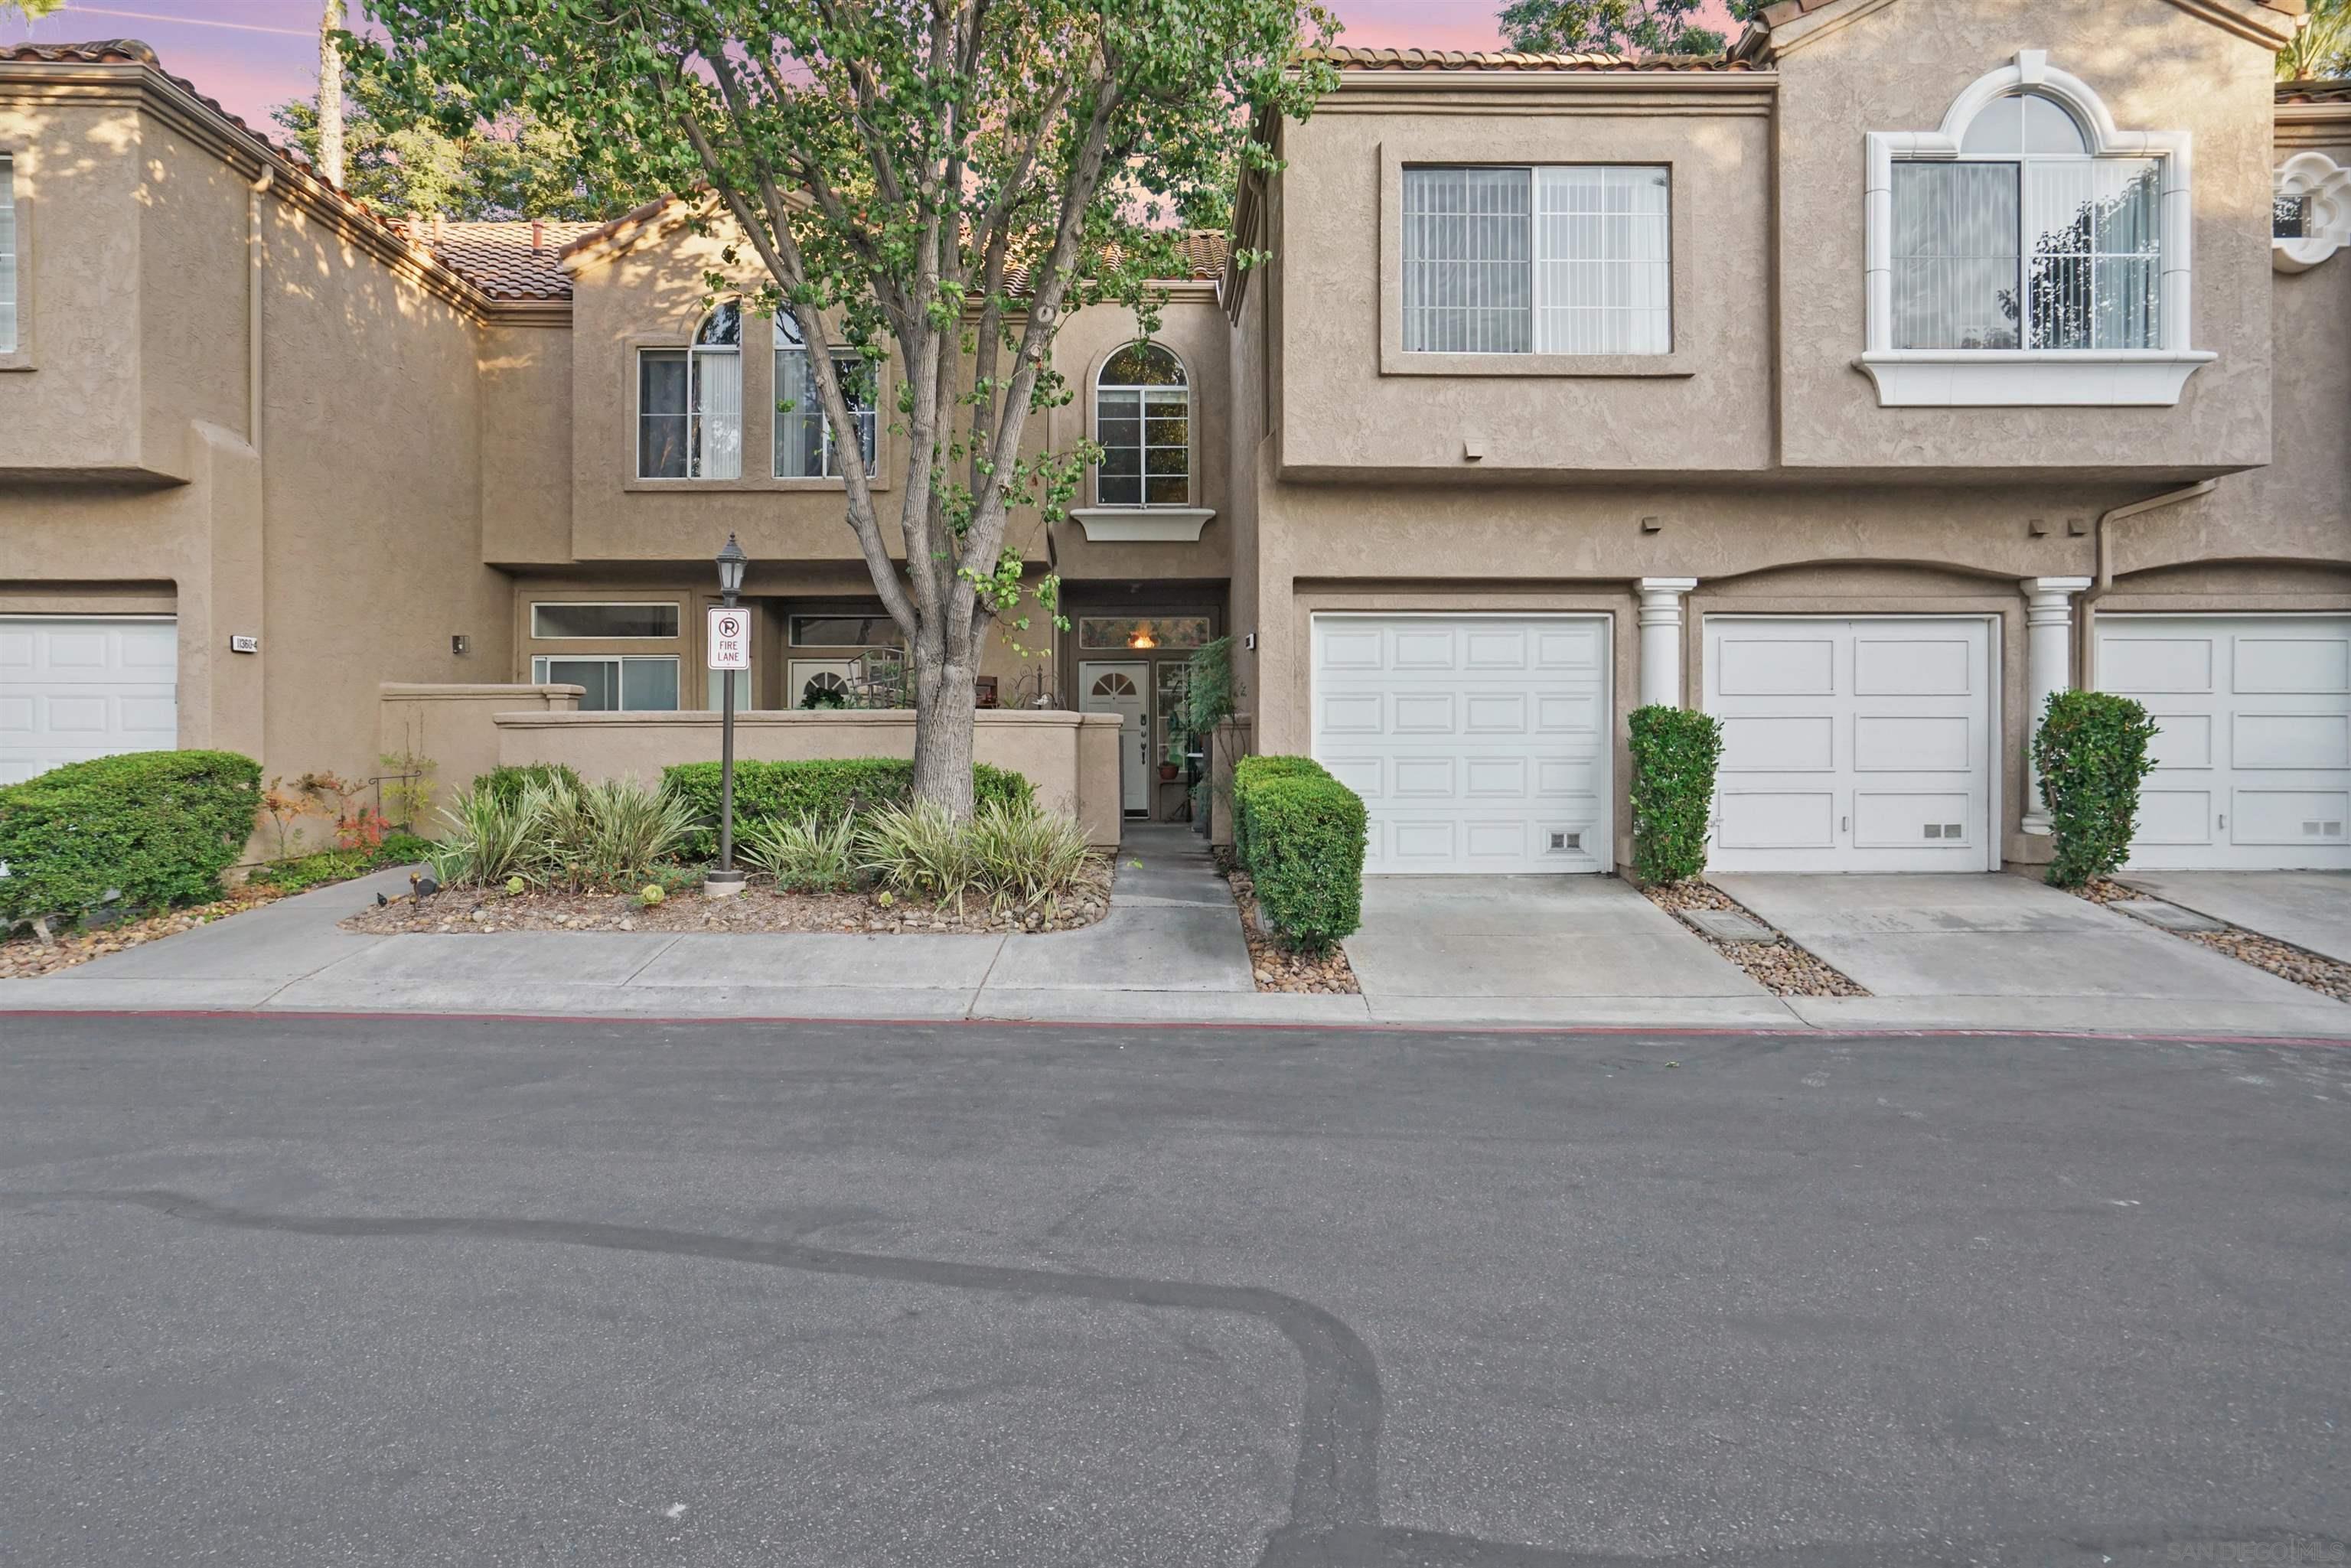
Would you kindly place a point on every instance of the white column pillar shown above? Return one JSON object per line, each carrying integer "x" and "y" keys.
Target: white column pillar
{"x": 1661, "y": 639}
{"x": 2048, "y": 670}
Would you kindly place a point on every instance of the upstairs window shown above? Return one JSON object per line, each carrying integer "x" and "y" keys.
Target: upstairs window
{"x": 7, "y": 257}
{"x": 2026, "y": 240}
{"x": 690, "y": 403}
{"x": 804, "y": 443}
{"x": 1558, "y": 259}
{"x": 1143, "y": 421}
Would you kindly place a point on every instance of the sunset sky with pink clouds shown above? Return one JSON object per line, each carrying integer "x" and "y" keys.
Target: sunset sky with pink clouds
{"x": 251, "y": 54}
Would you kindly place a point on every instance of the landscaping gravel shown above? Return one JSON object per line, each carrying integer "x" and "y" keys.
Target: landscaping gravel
{"x": 2314, "y": 971}
{"x": 760, "y": 908}
{"x": 1275, "y": 966}
{"x": 1779, "y": 967}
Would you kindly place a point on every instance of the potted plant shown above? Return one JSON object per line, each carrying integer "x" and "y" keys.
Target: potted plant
{"x": 1171, "y": 762}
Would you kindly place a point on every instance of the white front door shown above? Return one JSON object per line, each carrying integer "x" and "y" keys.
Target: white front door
{"x": 2253, "y": 761}
{"x": 1480, "y": 743}
{"x": 77, "y": 687}
{"x": 1852, "y": 745}
{"x": 1123, "y": 689}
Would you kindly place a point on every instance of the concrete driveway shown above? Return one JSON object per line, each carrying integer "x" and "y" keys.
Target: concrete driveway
{"x": 2311, "y": 909}
{"x": 1586, "y": 949}
{"x": 1985, "y": 942}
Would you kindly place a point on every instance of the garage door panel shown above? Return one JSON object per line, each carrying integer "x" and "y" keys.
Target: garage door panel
{"x": 2291, "y": 741}
{"x": 2182, "y": 740}
{"x": 76, "y": 687}
{"x": 2253, "y": 749}
{"x": 2302, "y": 817}
{"x": 1765, "y": 667}
{"x": 1882, "y": 744}
{"x": 2279, "y": 665}
{"x": 1896, "y": 667}
{"x": 1778, "y": 819}
{"x": 1858, "y": 743}
{"x": 1902, "y": 819}
{"x": 1474, "y": 740}
{"x": 1779, "y": 743}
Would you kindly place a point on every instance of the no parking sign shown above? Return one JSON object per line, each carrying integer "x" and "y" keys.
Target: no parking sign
{"x": 731, "y": 639}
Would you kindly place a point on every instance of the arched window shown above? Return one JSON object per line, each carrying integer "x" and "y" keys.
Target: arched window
{"x": 690, "y": 402}
{"x": 1142, "y": 419}
{"x": 804, "y": 444}
{"x": 2028, "y": 252}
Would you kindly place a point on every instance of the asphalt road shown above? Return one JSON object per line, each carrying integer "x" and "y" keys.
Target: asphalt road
{"x": 295, "y": 1292}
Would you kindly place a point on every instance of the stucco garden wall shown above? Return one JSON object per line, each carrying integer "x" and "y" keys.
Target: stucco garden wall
{"x": 1071, "y": 758}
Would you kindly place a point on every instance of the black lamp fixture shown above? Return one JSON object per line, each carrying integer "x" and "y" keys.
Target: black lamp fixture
{"x": 731, "y": 563}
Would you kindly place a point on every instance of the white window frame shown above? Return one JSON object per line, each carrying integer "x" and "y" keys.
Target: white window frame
{"x": 540, "y": 662}
{"x": 790, "y": 344}
{"x": 11, "y": 250}
{"x": 1144, "y": 394}
{"x": 2033, "y": 378}
{"x": 699, "y": 421}
{"x": 2325, "y": 186}
{"x": 1536, "y": 299}
{"x": 538, "y": 636}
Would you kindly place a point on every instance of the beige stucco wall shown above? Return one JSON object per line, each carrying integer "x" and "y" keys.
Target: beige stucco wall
{"x": 452, "y": 725}
{"x": 1350, "y": 403}
{"x": 1071, "y": 759}
{"x": 1898, "y": 67}
{"x": 525, "y": 422}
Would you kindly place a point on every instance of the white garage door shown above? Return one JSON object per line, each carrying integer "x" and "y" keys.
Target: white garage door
{"x": 2253, "y": 763}
{"x": 1859, "y": 745}
{"x": 1480, "y": 743}
{"x": 73, "y": 687}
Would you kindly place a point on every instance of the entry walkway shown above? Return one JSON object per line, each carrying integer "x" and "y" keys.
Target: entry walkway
{"x": 1994, "y": 952}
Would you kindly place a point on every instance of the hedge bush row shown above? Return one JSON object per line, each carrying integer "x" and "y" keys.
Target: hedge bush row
{"x": 827, "y": 790}
{"x": 1298, "y": 834}
{"x": 1675, "y": 751}
{"x": 2092, "y": 751}
{"x": 158, "y": 826}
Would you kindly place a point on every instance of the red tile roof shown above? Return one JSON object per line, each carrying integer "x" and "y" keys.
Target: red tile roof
{"x": 506, "y": 259}
{"x": 1351, "y": 58}
{"x": 2334, "y": 89}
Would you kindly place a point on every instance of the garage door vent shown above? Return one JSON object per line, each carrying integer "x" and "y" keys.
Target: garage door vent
{"x": 2323, "y": 829}
{"x": 1567, "y": 842}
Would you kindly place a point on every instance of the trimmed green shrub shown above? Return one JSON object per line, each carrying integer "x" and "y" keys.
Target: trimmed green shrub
{"x": 827, "y": 790}
{"x": 161, "y": 826}
{"x": 2092, "y": 751}
{"x": 402, "y": 849}
{"x": 1306, "y": 854}
{"x": 1251, "y": 770}
{"x": 1675, "y": 751}
{"x": 507, "y": 784}
{"x": 297, "y": 871}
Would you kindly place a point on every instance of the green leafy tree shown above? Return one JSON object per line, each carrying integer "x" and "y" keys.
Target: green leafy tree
{"x": 936, "y": 183}
{"x": 400, "y": 157}
{"x": 1619, "y": 26}
{"x": 2323, "y": 46}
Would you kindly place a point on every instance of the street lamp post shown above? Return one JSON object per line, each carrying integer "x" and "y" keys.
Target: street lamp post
{"x": 729, "y": 652}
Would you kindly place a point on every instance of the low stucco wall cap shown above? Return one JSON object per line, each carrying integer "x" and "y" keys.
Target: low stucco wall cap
{"x": 1349, "y": 57}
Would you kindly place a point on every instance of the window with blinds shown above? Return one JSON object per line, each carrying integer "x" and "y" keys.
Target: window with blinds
{"x": 690, "y": 403}
{"x": 2027, "y": 240}
{"x": 1555, "y": 259}
{"x": 804, "y": 444}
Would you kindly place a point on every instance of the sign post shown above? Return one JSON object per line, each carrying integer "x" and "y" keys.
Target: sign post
{"x": 729, "y": 644}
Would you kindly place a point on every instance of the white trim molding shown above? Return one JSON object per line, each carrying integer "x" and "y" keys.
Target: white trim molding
{"x": 1660, "y": 620}
{"x": 1142, "y": 525}
{"x": 2326, "y": 186}
{"x": 2031, "y": 378}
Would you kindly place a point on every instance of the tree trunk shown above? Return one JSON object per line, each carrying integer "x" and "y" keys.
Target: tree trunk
{"x": 945, "y": 720}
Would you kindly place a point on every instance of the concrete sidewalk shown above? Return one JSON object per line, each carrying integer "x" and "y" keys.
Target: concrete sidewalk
{"x": 1992, "y": 953}
{"x": 2311, "y": 909}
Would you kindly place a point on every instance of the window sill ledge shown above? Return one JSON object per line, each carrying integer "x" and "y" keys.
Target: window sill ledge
{"x": 641, "y": 486}
{"x": 2027, "y": 378}
{"x": 1142, "y": 525}
{"x": 1564, "y": 367}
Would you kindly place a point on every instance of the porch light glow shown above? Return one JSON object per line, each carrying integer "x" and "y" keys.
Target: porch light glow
{"x": 1143, "y": 637}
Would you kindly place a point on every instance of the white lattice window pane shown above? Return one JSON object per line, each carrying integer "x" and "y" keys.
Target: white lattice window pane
{"x": 1118, "y": 428}
{"x": 1955, "y": 256}
{"x": 1603, "y": 246}
{"x": 800, "y": 428}
{"x": 717, "y": 415}
{"x": 660, "y": 413}
{"x": 1468, "y": 268}
{"x": 856, "y": 380}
